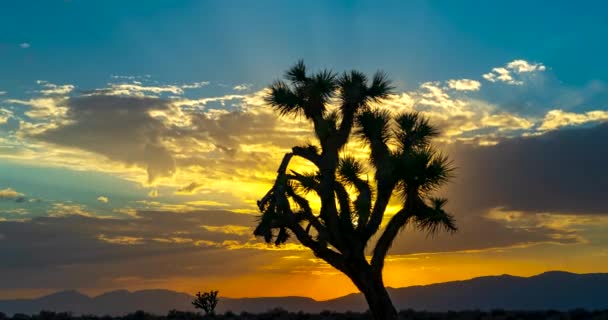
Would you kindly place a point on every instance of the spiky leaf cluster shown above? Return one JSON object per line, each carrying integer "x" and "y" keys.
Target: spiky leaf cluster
{"x": 401, "y": 160}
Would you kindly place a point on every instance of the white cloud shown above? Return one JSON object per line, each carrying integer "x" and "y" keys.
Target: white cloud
{"x": 146, "y": 76}
{"x": 464, "y": 84}
{"x": 24, "y": 45}
{"x": 195, "y": 85}
{"x": 203, "y": 101}
{"x": 103, "y": 199}
{"x": 521, "y": 66}
{"x": 514, "y": 68}
{"x": 501, "y": 74}
{"x": 54, "y": 89}
{"x": 242, "y": 87}
{"x": 490, "y": 76}
{"x": 139, "y": 90}
{"x": 231, "y": 150}
{"x": 470, "y": 120}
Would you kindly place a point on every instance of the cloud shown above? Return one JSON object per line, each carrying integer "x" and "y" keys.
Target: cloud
{"x": 513, "y": 192}
{"x": 195, "y": 85}
{"x": 126, "y": 77}
{"x": 189, "y": 244}
{"x": 54, "y": 89}
{"x": 62, "y": 209}
{"x": 523, "y": 191}
{"x": 139, "y": 90}
{"x": 189, "y": 189}
{"x": 224, "y": 148}
{"x": 242, "y": 87}
{"x": 63, "y": 249}
{"x": 230, "y": 229}
{"x": 52, "y": 108}
{"x": 180, "y": 206}
{"x": 506, "y": 121}
{"x": 5, "y": 115}
{"x": 119, "y": 128}
{"x": 478, "y": 232}
{"x": 17, "y": 211}
{"x": 460, "y": 118}
{"x": 556, "y": 119}
{"x": 464, "y": 84}
{"x": 561, "y": 171}
{"x": 521, "y": 66}
{"x": 162, "y": 142}
{"x": 103, "y": 199}
{"x": 202, "y": 102}
{"x": 512, "y": 71}
{"x": 10, "y": 194}
{"x": 501, "y": 74}
{"x": 173, "y": 137}
{"x": 24, "y": 45}
{"x": 121, "y": 240}
{"x": 143, "y": 89}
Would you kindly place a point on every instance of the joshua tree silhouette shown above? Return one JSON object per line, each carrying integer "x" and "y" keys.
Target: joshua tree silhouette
{"x": 401, "y": 160}
{"x": 206, "y": 301}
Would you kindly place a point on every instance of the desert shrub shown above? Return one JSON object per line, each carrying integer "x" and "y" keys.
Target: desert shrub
{"x": 139, "y": 315}
{"x": 182, "y": 315}
{"x": 206, "y": 301}
{"x": 50, "y": 315}
{"x": 21, "y": 316}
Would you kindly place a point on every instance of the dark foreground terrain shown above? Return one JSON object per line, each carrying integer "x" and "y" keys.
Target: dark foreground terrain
{"x": 560, "y": 291}
{"x": 327, "y": 315}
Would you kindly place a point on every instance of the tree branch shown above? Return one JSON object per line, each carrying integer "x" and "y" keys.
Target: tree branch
{"x": 392, "y": 229}
{"x": 307, "y": 153}
{"x": 344, "y": 201}
{"x": 385, "y": 190}
{"x": 386, "y": 240}
{"x": 363, "y": 203}
{"x": 307, "y": 211}
{"x": 346, "y": 125}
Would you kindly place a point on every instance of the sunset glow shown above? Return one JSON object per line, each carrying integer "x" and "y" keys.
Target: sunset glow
{"x": 135, "y": 139}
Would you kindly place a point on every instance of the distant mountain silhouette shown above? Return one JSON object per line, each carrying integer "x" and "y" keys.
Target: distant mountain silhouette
{"x": 551, "y": 290}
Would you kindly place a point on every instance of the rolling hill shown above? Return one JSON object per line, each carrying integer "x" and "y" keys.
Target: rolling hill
{"x": 551, "y": 290}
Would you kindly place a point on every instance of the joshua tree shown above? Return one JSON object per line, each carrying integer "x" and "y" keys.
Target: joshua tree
{"x": 401, "y": 161}
{"x": 206, "y": 301}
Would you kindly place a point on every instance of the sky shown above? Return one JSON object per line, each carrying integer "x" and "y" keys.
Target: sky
{"x": 135, "y": 141}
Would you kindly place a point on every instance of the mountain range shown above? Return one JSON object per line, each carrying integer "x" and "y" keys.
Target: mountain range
{"x": 550, "y": 290}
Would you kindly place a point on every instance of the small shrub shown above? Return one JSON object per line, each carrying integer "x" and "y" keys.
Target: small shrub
{"x": 21, "y": 316}
{"x": 206, "y": 301}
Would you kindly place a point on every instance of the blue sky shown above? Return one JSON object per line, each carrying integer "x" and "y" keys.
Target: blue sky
{"x": 133, "y": 111}
{"x": 235, "y": 42}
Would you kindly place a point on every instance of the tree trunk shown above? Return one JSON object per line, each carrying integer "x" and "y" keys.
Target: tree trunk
{"x": 372, "y": 287}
